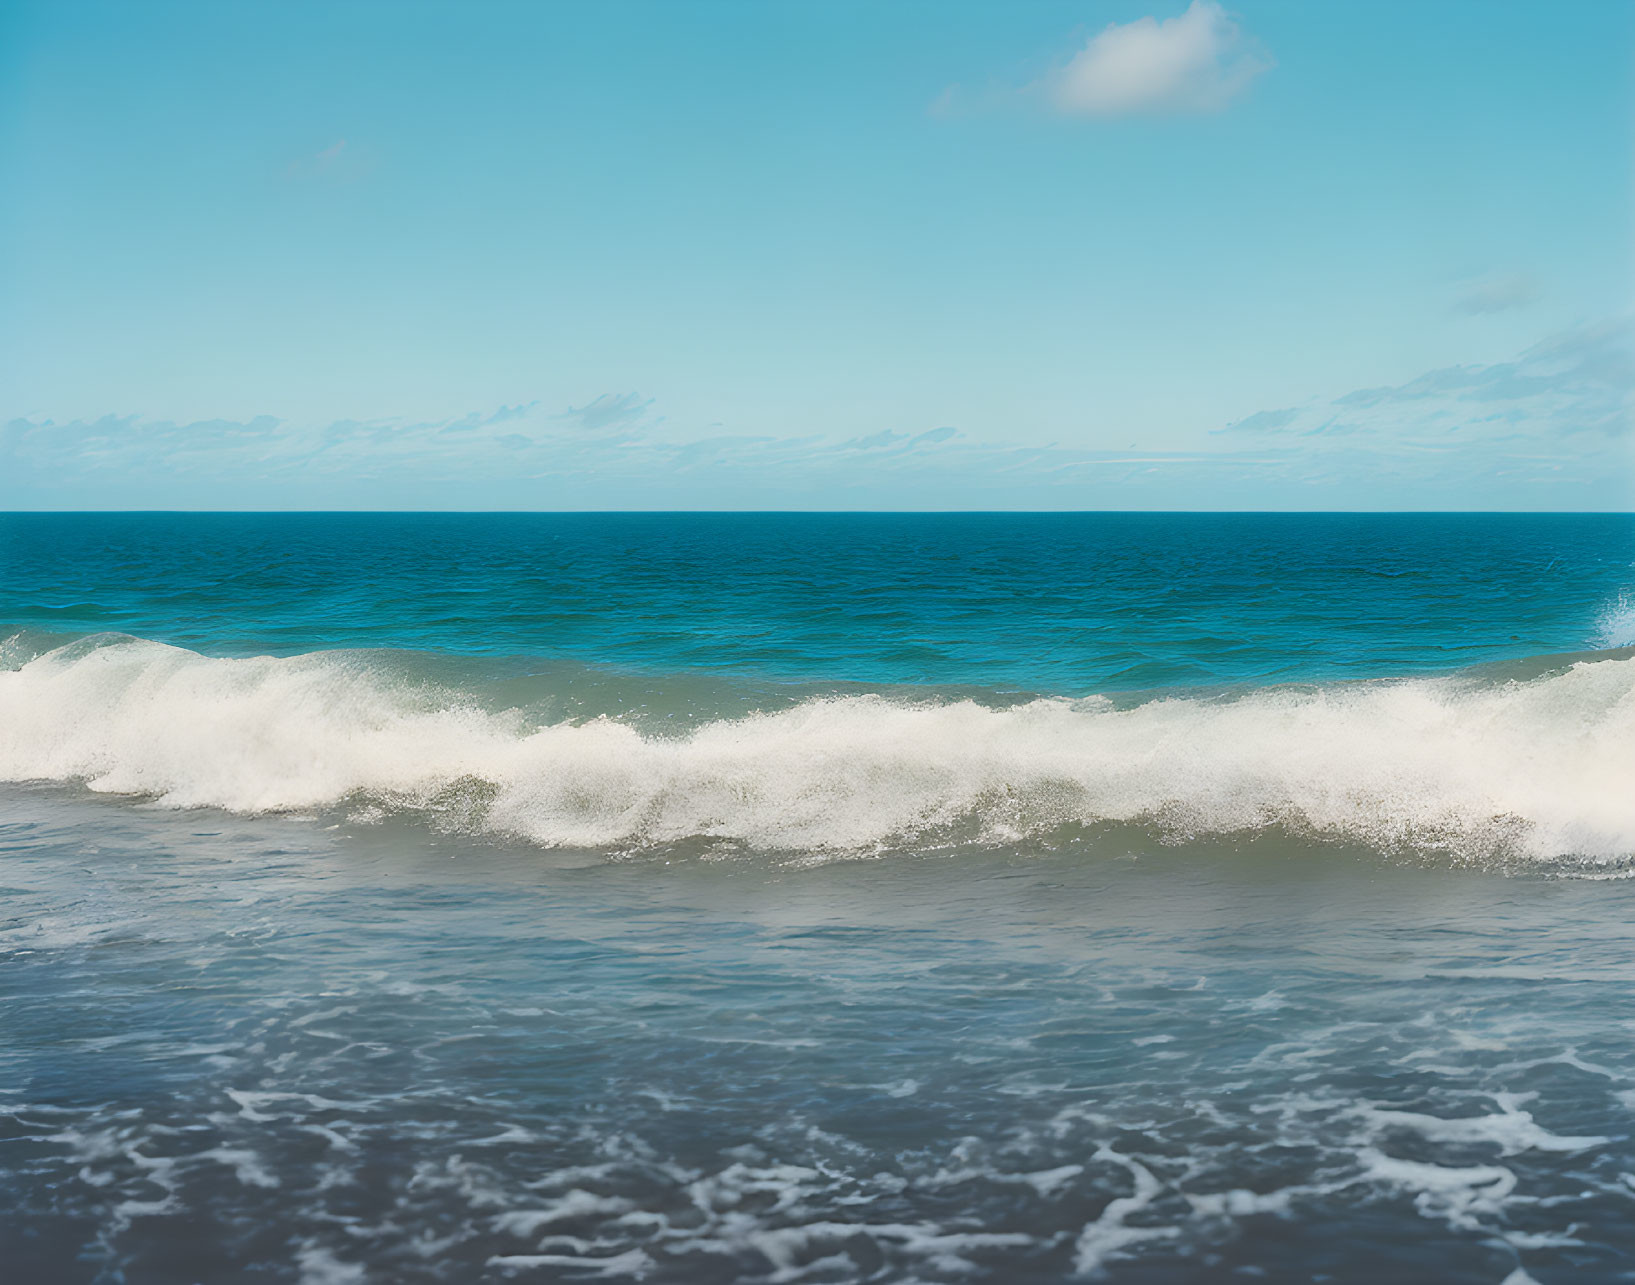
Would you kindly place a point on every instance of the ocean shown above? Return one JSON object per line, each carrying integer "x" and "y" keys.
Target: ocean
{"x": 817, "y": 897}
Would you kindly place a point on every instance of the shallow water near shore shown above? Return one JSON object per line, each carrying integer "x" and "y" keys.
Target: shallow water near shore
{"x": 264, "y": 1049}
{"x": 1149, "y": 898}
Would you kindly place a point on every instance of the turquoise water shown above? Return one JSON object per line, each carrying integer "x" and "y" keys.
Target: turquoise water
{"x": 816, "y": 897}
{"x": 1057, "y": 603}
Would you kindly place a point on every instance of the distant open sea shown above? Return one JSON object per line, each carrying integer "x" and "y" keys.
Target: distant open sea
{"x": 775, "y": 897}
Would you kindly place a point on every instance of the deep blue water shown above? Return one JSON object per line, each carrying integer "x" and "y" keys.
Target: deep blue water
{"x": 448, "y": 898}
{"x": 1064, "y": 603}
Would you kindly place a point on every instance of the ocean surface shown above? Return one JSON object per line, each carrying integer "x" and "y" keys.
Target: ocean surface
{"x": 1015, "y": 898}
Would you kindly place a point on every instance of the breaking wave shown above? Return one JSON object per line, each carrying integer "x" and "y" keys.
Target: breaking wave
{"x": 1476, "y": 768}
{"x": 1617, "y": 626}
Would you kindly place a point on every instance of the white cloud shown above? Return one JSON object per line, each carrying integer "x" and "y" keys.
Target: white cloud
{"x": 1197, "y": 62}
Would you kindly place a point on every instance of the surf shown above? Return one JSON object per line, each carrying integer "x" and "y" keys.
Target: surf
{"x": 1477, "y": 769}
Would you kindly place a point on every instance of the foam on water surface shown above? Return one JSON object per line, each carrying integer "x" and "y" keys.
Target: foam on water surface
{"x": 468, "y": 1074}
{"x": 1536, "y": 769}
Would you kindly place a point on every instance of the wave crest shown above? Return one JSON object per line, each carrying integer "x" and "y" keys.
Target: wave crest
{"x": 1538, "y": 769}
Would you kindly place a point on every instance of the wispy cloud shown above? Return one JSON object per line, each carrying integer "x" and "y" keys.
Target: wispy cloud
{"x": 338, "y": 161}
{"x": 1267, "y": 421}
{"x": 1497, "y": 292}
{"x": 1549, "y": 428}
{"x": 610, "y": 410}
{"x": 1196, "y": 62}
{"x": 520, "y": 457}
{"x": 485, "y": 419}
{"x": 875, "y": 441}
{"x": 1575, "y": 385}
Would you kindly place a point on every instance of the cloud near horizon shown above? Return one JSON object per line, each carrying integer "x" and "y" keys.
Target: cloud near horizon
{"x": 1550, "y": 428}
{"x": 1561, "y": 395}
{"x": 610, "y": 410}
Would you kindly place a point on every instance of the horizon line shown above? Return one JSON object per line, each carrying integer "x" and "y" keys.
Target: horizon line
{"x": 338, "y": 512}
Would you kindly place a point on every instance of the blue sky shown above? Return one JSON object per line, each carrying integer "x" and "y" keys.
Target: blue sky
{"x": 915, "y": 255}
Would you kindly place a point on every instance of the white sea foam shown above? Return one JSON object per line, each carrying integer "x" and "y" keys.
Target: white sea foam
{"x": 1109, "y": 1236}
{"x": 1511, "y": 1130}
{"x": 1539, "y": 769}
{"x": 1617, "y": 625}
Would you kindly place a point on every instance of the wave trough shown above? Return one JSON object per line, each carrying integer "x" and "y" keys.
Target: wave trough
{"x": 1523, "y": 769}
